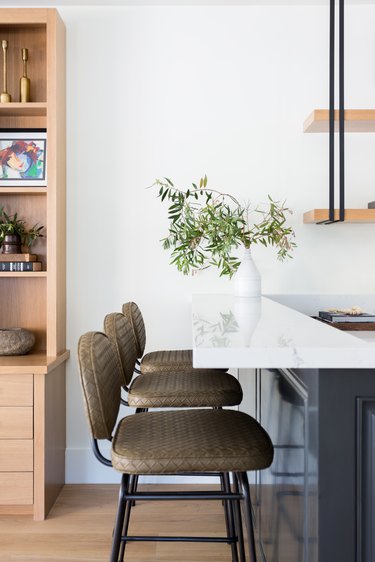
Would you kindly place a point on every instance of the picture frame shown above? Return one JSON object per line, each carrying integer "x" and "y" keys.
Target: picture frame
{"x": 23, "y": 157}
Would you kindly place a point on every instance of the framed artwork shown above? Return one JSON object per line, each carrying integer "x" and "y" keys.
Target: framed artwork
{"x": 23, "y": 157}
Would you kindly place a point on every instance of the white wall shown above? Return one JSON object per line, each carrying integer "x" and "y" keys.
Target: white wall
{"x": 184, "y": 91}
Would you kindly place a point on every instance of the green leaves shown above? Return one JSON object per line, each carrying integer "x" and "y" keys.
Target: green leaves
{"x": 11, "y": 224}
{"x": 207, "y": 226}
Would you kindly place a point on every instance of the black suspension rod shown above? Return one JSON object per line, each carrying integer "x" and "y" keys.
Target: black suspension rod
{"x": 341, "y": 112}
{"x": 332, "y": 112}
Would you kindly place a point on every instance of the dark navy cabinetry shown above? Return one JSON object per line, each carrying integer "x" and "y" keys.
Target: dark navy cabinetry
{"x": 316, "y": 503}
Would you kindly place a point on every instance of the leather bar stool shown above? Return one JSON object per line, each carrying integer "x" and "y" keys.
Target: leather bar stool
{"x": 168, "y": 389}
{"x": 163, "y": 361}
{"x": 185, "y": 389}
{"x": 169, "y": 442}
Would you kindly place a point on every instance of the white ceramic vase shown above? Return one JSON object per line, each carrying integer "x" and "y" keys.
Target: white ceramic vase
{"x": 247, "y": 281}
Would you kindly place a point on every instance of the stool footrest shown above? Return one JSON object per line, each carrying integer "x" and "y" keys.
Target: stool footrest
{"x": 129, "y": 538}
{"x": 183, "y": 496}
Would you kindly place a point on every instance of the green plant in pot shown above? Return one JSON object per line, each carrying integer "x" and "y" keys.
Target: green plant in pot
{"x": 14, "y": 233}
{"x": 208, "y": 227}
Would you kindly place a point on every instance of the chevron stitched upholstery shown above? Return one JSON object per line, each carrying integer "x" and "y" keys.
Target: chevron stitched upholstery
{"x": 157, "y": 361}
{"x": 132, "y": 312}
{"x": 120, "y": 332}
{"x": 185, "y": 390}
{"x": 190, "y": 441}
{"x": 101, "y": 379}
{"x": 167, "y": 360}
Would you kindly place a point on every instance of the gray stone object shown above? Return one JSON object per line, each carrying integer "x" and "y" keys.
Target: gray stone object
{"x": 16, "y": 341}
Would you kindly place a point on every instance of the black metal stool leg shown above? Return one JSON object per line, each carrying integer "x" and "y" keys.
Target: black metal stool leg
{"x": 244, "y": 483}
{"x": 238, "y": 520}
{"x": 224, "y": 503}
{"x": 230, "y": 515}
{"x": 132, "y": 483}
{"x": 116, "y": 541}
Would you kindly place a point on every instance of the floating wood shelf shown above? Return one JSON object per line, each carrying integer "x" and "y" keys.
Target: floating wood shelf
{"x": 24, "y": 109}
{"x": 356, "y": 121}
{"x": 351, "y": 215}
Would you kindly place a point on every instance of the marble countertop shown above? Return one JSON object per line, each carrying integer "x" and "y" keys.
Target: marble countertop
{"x": 238, "y": 332}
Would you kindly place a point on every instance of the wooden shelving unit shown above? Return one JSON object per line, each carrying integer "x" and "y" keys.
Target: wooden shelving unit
{"x": 34, "y": 384}
{"x": 351, "y": 216}
{"x": 356, "y": 121}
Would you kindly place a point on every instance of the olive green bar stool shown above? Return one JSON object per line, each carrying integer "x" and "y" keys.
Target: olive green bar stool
{"x": 169, "y": 442}
{"x": 168, "y": 389}
{"x": 163, "y": 361}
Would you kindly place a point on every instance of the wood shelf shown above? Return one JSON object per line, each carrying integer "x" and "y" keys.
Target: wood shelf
{"x": 30, "y": 109}
{"x": 356, "y": 121}
{"x": 23, "y": 190}
{"x": 35, "y": 363}
{"x": 23, "y": 274}
{"x": 351, "y": 216}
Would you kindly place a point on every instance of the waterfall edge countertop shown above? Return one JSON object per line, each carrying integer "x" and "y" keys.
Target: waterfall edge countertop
{"x": 239, "y": 332}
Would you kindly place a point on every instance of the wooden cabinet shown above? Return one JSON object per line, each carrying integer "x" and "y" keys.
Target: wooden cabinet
{"x": 32, "y": 387}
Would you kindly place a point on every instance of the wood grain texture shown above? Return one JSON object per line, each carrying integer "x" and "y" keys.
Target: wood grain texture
{"x": 16, "y": 422}
{"x": 351, "y": 215}
{"x": 16, "y": 488}
{"x": 356, "y": 121}
{"x": 50, "y": 440}
{"x": 79, "y": 528}
{"x": 16, "y": 390}
{"x": 16, "y": 455}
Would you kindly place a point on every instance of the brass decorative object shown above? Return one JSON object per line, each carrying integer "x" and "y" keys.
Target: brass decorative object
{"x": 4, "y": 96}
{"x": 24, "y": 80}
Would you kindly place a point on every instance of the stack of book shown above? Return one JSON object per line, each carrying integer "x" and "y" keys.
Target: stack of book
{"x": 345, "y": 321}
{"x": 20, "y": 262}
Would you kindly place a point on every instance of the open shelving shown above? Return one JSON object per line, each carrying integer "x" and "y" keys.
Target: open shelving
{"x": 36, "y": 300}
{"x": 356, "y": 121}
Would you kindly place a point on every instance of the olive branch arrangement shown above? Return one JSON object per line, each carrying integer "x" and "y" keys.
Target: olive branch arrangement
{"x": 206, "y": 226}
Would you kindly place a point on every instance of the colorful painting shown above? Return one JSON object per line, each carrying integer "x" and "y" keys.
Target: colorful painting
{"x": 23, "y": 158}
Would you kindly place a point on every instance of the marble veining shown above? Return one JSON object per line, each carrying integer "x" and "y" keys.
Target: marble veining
{"x": 238, "y": 332}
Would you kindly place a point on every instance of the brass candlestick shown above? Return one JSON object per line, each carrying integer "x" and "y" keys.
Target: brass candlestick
{"x": 24, "y": 80}
{"x": 4, "y": 96}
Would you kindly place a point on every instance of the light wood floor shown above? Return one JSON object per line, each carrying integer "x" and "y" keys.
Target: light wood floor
{"x": 79, "y": 528}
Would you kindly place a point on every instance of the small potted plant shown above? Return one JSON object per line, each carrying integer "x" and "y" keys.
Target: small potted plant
{"x": 206, "y": 228}
{"x": 14, "y": 234}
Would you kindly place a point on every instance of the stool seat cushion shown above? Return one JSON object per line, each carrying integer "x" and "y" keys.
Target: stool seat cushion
{"x": 173, "y": 442}
{"x": 169, "y": 361}
{"x": 185, "y": 390}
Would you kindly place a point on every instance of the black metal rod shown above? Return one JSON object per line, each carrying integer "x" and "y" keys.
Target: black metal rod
{"x": 183, "y": 496}
{"x": 98, "y": 454}
{"x": 341, "y": 111}
{"x": 332, "y": 112}
{"x": 229, "y": 507}
{"x": 177, "y": 539}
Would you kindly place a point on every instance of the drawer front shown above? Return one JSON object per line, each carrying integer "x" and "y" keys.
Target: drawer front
{"x": 16, "y": 390}
{"x": 16, "y": 488}
{"x": 16, "y": 455}
{"x": 16, "y": 423}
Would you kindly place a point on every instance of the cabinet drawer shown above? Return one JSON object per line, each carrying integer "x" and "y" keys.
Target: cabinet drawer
{"x": 16, "y": 455}
{"x": 16, "y": 390}
{"x": 16, "y": 423}
{"x": 16, "y": 488}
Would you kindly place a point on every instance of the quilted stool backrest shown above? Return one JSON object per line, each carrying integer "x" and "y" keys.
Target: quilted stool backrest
{"x": 133, "y": 313}
{"x": 100, "y": 375}
{"x": 120, "y": 333}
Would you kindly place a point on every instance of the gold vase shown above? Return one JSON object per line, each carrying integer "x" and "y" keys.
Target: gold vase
{"x": 24, "y": 80}
{"x": 4, "y": 96}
